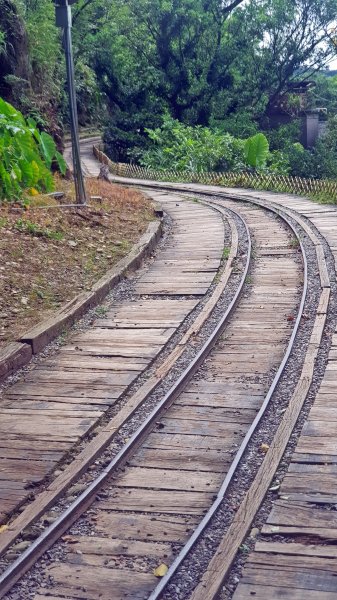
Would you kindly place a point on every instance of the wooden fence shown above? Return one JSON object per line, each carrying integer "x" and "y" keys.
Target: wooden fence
{"x": 258, "y": 181}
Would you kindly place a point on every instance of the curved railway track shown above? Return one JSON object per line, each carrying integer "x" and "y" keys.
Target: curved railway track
{"x": 155, "y": 500}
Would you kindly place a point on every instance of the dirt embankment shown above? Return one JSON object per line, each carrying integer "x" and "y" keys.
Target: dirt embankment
{"x": 48, "y": 256}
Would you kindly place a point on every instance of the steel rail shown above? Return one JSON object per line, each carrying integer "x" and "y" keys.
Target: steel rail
{"x": 243, "y": 447}
{"x": 54, "y": 531}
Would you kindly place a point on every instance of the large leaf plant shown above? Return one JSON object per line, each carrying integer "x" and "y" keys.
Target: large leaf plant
{"x": 26, "y": 155}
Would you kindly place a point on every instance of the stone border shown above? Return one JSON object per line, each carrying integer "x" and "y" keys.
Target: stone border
{"x": 17, "y": 354}
{"x": 14, "y": 356}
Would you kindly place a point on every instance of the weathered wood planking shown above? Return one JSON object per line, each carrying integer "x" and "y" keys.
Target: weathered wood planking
{"x": 310, "y": 483}
{"x": 203, "y": 243}
{"x": 316, "y": 449}
{"x": 65, "y": 395}
{"x": 181, "y": 464}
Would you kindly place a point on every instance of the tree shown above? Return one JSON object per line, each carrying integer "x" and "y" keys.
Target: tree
{"x": 289, "y": 40}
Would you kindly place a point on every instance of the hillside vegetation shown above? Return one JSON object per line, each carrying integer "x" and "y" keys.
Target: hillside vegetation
{"x": 175, "y": 83}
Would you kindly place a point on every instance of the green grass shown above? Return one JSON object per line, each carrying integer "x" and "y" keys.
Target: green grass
{"x": 225, "y": 253}
{"x": 294, "y": 243}
{"x": 101, "y": 311}
{"x": 26, "y": 226}
{"x": 323, "y": 198}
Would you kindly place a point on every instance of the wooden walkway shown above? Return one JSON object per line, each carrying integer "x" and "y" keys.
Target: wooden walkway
{"x": 152, "y": 507}
{"x": 59, "y": 401}
{"x": 162, "y": 494}
{"x": 303, "y": 565}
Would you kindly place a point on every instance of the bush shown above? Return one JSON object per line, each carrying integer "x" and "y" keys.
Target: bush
{"x": 325, "y": 153}
{"x": 26, "y": 155}
{"x": 185, "y": 148}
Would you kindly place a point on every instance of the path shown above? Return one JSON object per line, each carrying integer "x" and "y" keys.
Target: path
{"x": 57, "y": 402}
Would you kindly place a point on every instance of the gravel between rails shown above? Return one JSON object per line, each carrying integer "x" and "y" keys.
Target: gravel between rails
{"x": 134, "y": 422}
{"x": 125, "y": 291}
{"x": 187, "y": 577}
{"x": 321, "y": 362}
{"x": 82, "y": 526}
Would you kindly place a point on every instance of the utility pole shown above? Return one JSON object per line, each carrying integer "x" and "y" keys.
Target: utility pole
{"x": 63, "y": 20}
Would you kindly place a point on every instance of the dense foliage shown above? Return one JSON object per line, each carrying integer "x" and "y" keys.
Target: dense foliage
{"x": 177, "y": 82}
{"x": 26, "y": 155}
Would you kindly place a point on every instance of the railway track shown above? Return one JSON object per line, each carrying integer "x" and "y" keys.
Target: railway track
{"x": 221, "y": 404}
{"x": 168, "y": 495}
{"x": 88, "y": 377}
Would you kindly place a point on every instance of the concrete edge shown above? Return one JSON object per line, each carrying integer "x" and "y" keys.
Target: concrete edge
{"x": 17, "y": 354}
{"x": 14, "y": 356}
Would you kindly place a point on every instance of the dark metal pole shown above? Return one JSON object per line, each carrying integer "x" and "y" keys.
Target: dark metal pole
{"x": 63, "y": 19}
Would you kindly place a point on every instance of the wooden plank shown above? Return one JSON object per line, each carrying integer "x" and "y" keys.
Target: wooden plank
{"x": 297, "y": 513}
{"x": 107, "y": 547}
{"x": 162, "y": 501}
{"x": 98, "y": 582}
{"x": 317, "y": 445}
{"x": 291, "y": 562}
{"x": 294, "y": 548}
{"x": 119, "y": 378}
{"x": 79, "y": 391}
{"x": 176, "y": 440}
{"x": 170, "y": 479}
{"x": 315, "y": 483}
{"x": 186, "y": 459}
{"x": 228, "y": 400}
{"x": 202, "y": 428}
{"x": 298, "y": 579}
{"x": 91, "y": 364}
{"x": 211, "y": 414}
{"x": 273, "y": 592}
{"x": 320, "y": 533}
{"x": 154, "y": 528}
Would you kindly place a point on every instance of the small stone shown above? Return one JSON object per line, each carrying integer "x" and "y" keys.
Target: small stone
{"x": 11, "y": 555}
{"x": 78, "y": 488}
{"x": 72, "y": 243}
{"x": 21, "y": 546}
{"x": 49, "y": 520}
{"x": 254, "y": 532}
{"x": 30, "y": 534}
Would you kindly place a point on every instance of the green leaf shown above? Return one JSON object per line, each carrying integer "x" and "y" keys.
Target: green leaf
{"x": 256, "y": 150}
{"x": 47, "y": 147}
{"x": 61, "y": 163}
{"x": 8, "y": 110}
{"x": 36, "y": 172}
{"x": 27, "y": 172}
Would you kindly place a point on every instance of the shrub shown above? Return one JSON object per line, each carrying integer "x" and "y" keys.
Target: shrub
{"x": 26, "y": 155}
{"x": 186, "y": 148}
